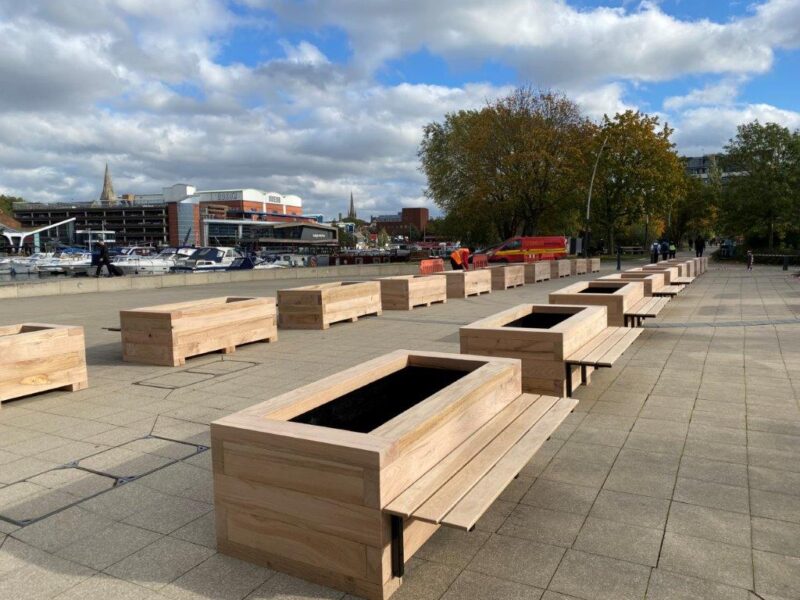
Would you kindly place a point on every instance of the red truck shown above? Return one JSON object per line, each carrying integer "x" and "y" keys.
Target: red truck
{"x": 529, "y": 249}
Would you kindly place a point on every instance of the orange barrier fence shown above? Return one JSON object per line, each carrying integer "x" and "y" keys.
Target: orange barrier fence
{"x": 430, "y": 266}
{"x": 480, "y": 261}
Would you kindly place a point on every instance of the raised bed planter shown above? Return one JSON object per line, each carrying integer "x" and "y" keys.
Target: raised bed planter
{"x": 404, "y": 292}
{"x": 617, "y": 297}
{"x": 594, "y": 265}
{"x": 653, "y": 282}
{"x": 577, "y": 266}
{"x": 671, "y": 272}
{"x": 461, "y": 284}
{"x": 301, "y": 480}
{"x": 507, "y": 276}
{"x": 686, "y": 267}
{"x": 537, "y": 271}
{"x": 170, "y": 333}
{"x": 317, "y": 306}
{"x": 560, "y": 268}
{"x": 35, "y": 357}
{"x": 541, "y": 335}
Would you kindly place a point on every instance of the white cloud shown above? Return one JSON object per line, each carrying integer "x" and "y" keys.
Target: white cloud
{"x": 719, "y": 93}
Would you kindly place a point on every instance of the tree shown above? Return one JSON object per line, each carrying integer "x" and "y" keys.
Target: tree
{"x": 7, "y": 202}
{"x": 762, "y": 199}
{"x": 639, "y": 174}
{"x": 514, "y": 167}
{"x": 383, "y": 238}
{"x": 346, "y": 239}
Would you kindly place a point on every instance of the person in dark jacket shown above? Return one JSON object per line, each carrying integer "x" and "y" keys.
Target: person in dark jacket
{"x": 664, "y": 250}
{"x": 699, "y": 246}
{"x": 103, "y": 260}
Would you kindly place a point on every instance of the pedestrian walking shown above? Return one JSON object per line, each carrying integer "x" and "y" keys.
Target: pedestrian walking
{"x": 699, "y": 246}
{"x": 672, "y": 249}
{"x": 664, "y": 250}
{"x": 750, "y": 258}
{"x": 654, "y": 252}
{"x": 103, "y": 260}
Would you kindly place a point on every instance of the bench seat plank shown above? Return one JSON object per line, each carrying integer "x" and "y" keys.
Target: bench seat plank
{"x": 475, "y": 503}
{"x": 611, "y": 351}
{"x": 649, "y": 307}
{"x": 682, "y": 280}
{"x": 593, "y": 343}
{"x": 669, "y": 290}
{"x": 423, "y": 488}
{"x": 445, "y": 498}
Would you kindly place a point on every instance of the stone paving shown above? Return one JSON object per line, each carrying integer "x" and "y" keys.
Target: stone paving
{"x": 678, "y": 476}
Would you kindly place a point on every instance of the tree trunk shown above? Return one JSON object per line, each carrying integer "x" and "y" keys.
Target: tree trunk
{"x": 771, "y": 233}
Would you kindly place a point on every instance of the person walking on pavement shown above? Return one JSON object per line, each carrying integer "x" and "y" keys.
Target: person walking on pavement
{"x": 654, "y": 252}
{"x": 750, "y": 259}
{"x": 672, "y": 249}
{"x": 664, "y": 250}
{"x": 103, "y": 260}
{"x": 699, "y": 246}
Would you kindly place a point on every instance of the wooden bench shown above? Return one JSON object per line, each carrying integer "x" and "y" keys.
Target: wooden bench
{"x": 632, "y": 249}
{"x": 645, "y": 308}
{"x": 460, "y": 488}
{"x": 669, "y": 290}
{"x": 601, "y": 351}
{"x": 682, "y": 280}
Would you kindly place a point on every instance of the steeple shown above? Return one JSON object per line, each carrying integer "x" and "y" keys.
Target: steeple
{"x": 351, "y": 214}
{"x": 107, "y": 196}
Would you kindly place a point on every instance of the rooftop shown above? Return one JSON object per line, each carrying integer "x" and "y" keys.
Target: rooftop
{"x": 678, "y": 476}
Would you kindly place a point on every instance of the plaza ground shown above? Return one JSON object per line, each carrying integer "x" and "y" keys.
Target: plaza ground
{"x": 678, "y": 476}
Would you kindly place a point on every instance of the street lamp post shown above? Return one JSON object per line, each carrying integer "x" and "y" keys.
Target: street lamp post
{"x": 589, "y": 200}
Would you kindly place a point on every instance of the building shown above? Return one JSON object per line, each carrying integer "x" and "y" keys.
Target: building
{"x": 280, "y": 236}
{"x": 403, "y": 222}
{"x": 701, "y": 167}
{"x": 174, "y": 217}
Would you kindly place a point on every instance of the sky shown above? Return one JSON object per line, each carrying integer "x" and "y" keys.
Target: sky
{"x": 319, "y": 98}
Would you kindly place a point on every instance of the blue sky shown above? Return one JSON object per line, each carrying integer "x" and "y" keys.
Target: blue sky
{"x": 319, "y": 98}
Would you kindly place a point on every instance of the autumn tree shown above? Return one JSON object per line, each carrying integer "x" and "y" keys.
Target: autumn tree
{"x": 515, "y": 167}
{"x": 762, "y": 199}
{"x": 639, "y": 173}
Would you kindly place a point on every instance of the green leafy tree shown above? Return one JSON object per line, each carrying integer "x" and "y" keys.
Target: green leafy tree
{"x": 517, "y": 166}
{"x": 7, "y": 202}
{"x": 639, "y": 174}
{"x": 346, "y": 239}
{"x": 762, "y": 199}
{"x": 383, "y": 238}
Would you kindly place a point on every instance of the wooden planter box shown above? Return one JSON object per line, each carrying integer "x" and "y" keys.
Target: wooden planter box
{"x": 617, "y": 297}
{"x": 577, "y": 266}
{"x": 537, "y": 271}
{"x": 404, "y": 292}
{"x": 541, "y": 336}
{"x": 317, "y": 306}
{"x": 35, "y": 357}
{"x": 653, "y": 282}
{"x": 560, "y": 268}
{"x": 703, "y": 264}
{"x": 594, "y": 265}
{"x": 300, "y": 480}
{"x": 686, "y": 268}
{"x": 170, "y": 333}
{"x": 671, "y": 272}
{"x": 507, "y": 276}
{"x": 461, "y": 284}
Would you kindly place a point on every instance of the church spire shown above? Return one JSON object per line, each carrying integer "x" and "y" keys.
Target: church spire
{"x": 351, "y": 214}
{"x": 107, "y": 196}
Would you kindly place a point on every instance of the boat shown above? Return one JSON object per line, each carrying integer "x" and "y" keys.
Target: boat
{"x": 66, "y": 260}
{"x": 246, "y": 263}
{"x": 208, "y": 259}
{"x": 28, "y": 264}
{"x": 132, "y": 263}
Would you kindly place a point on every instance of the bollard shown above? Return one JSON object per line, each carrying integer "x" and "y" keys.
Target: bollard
{"x": 619, "y": 258}
{"x": 786, "y": 263}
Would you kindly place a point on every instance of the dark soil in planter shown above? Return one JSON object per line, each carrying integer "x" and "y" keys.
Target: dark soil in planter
{"x": 372, "y": 405}
{"x": 540, "y": 320}
{"x": 599, "y": 290}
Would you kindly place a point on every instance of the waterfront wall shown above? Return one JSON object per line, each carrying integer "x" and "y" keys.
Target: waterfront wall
{"x": 86, "y": 285}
